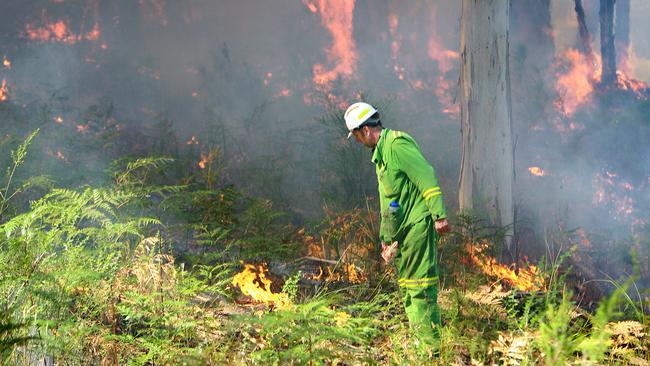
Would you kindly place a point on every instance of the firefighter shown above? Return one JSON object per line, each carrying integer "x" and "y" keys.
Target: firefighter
{"x": 413, "y": 216}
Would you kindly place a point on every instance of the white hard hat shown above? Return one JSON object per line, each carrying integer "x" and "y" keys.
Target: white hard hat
{"x": 357, "y": 114}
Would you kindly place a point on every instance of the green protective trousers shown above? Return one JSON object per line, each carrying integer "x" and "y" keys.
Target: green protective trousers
{"x": 418, "y": 281}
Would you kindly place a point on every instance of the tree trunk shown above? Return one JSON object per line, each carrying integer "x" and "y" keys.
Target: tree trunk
{"x": 622, "y": 31}
{"x": 583, "y": 31}
{"x": 607, "y": 49}
{"x": 487, "y": 163}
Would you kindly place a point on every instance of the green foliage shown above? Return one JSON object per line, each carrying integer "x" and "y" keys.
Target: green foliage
{"x": 17, "y": 159}
{"x": 10, "y": 337}
{"x": 557, "y": 340}
{"x": 291, "y": 287}
{"x": 138, "y": 271}
{"x": 313, "y": 332}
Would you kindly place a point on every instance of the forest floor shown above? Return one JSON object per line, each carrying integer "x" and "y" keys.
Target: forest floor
{"x": 141, "y": 272}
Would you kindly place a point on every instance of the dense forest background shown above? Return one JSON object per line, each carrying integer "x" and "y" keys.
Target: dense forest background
{"x": 156, "y": 150}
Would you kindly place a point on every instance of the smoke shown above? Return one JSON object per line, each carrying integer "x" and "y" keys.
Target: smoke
{"x": 254, "y": 78}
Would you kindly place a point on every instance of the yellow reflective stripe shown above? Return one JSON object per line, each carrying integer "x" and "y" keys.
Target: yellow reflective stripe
{"x": 416, "y": 285}
{"x": 363, "y": 113}
{"x": 414, "y": 280}
{"x": 430, "y": 190}
{"x": 420, "y": 282}
{"x": 432, "y": 195}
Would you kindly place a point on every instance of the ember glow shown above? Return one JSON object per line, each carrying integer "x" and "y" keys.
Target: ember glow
{"x": 286, "y": 92}
{"x": 58, "y": 119}
{"x": 6, "y": 63}
{"x": 396, "y": 44}
{"x": 203, "y": 162}
{"x": 612, "y": 192}
{"x": 253, "y": 282}
{"x": 525, "y": 278}
{"x": 336, "y": 16}
{"x": 4, "y": 92}
{"x": 639, "y": 88}
{"x": 59, "y": 31}
{"x": 537, "y": 171}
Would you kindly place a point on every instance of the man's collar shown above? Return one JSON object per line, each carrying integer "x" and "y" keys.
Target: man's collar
{"x": 376, "y": 154}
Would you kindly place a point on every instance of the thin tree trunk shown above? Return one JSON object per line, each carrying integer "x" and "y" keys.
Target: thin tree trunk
{"x": 607, "y": 49}
{"x": 583, "y": 31}
{"x": 622, "y": 31}
{"x": 487, "y": 163}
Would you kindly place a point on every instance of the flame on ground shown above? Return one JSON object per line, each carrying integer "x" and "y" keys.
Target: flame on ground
{"x": 59, "y": 31}
{"x": 526, "y": 278}
{"x": 4, "y": 91}
{"x": 203, "y": 162}
{"x": 537, "y": 171}
{"x": 253, "y": 282}
{"x": 336, "y": 16}
{"x": 6, "y": 63}
{"x": 348, "y": 272}
{"x": 615, "y": 193}
{"x": 575, "y": 86}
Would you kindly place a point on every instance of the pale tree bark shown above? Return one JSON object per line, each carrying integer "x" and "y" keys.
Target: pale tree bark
{"x": 487, "y": 164}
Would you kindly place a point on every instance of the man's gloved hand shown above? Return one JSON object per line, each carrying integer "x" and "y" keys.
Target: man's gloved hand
{"x": 442, "y": 226}
{"x": 388, "y": 252}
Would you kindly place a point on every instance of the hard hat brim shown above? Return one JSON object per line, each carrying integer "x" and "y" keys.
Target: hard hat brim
{"x": 349, "y": 135}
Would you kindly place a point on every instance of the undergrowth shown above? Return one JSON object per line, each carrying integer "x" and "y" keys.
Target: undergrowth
{"x": 139, "y": 271}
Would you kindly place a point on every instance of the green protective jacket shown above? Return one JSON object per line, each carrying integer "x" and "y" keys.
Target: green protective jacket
{"x": 405, "y": 176}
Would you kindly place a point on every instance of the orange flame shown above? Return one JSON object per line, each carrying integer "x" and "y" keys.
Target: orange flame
{"x": 526, "y": 278}
{"x": 336, "y": 16}
{"x": 4, "y": 91}
{"x": 58, "y": 119}
{"x": 203, "y": 162}
{"x": 535, "y": 170}
{"x": 253, "y": 282}
{"x": 59, "y": 31}
{"x": 6, "y": 63}
{"x": 639, "y": 88}
{"x": 610, "y": 190}
{"x": 575, "y": 87}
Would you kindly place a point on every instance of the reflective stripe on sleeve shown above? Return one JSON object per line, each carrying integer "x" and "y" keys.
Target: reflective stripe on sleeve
{"x": 431, "y": 192}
